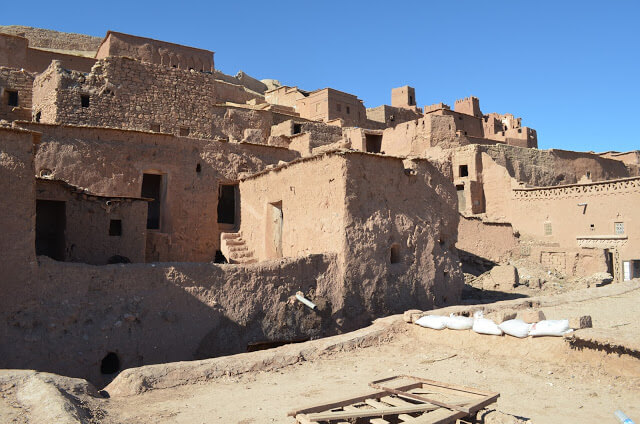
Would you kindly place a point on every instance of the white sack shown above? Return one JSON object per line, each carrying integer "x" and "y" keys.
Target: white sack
{"x": 436, "y": 322}
{"x": 515, "y": 328}
{"x": 550, "y": 327}
{"x": 486, "y": 326}
{"x": 459, "y": 323}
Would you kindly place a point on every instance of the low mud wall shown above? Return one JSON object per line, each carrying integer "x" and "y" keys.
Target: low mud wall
{"x": 154, "y": 313}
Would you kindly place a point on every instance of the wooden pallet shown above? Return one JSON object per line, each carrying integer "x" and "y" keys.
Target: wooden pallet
{"x": 401, "y": 399}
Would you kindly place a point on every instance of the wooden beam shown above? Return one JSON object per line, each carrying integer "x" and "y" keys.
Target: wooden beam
{"x": 364, "y": 413}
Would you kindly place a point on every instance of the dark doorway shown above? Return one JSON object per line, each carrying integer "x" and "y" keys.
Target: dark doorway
{"x": 152, "y": 189}
{"x": 610, "y": 267}
{"x": 462, "y": 200}
{"x": 227, "y": 203}
{"x": 50, "y": 226}
{"x": 110, "y": 364}
{"x": 373, "y": 143}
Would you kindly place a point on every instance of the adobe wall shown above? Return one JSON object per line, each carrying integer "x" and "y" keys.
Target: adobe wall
{"x": 156, "y": 313}
{"x": 409, "y": 205}
{"x": 17, "y": 213}
{"x": 154, "y": 51}
{"x": 16, "y": 53}
{"x": 125, "y": 93}
{"x": 234, "y": 93}
{"x": 563, "y": 209}
{"x": 22, "y": 82}
{"x": 488, "y": 240}
{"x": 321, "y": 134}
{"x": 311, "y": 195}
{"x": 553, "y": 167}
{"x": 47, "y": 38}
{"x": 112, "y": 163}
{"x": 390, "y": 116}
{"x": 88, "y": 217}
{"x": 415, "y": 137}
{"x": 324, "y": 104}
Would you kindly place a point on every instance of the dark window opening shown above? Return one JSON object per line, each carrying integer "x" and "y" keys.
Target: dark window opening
{"x": 155, "y": 127}
{"x": 592, "y": 227}
{"x": 373, "y": 143}
{"x": 463, "y": 171}
{"x": 348, "y": 110}
{"x": 588, "y": 174}
{"x": 519, "y": 130}
{"x": 110, "y": 364}
{"x": 460, "y": 118}
{"x": 152, "y": 189}
{"x": 12, "y": 98}
{"x": 84, "y": 100}
{"x": 227, "y": 203}
{"x": 339, "y": 107}
{"x": 50, "y": 226}
{"x": 184, "y": 131}
{"x": 198, "y": 168}
{"x": 297, "y": 128}
{"x": 410, "y": 100}
{"x": 115, "y": 227}
{"x": 220, "y": 258}
{"x": 395, "y": 253}
{"x": 38, "y": 116}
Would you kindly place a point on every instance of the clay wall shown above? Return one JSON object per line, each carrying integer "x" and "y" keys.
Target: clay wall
{"x": 125, "y": 93}
{"x": 321, "y": 133}
{"x": 157, "y": 313}
{"x": 112, "y": 163}
{"x": 329, "y": 104}
{"x": 582, "y": 215}
{"x": 488, "y": 240}
{"x": 17, "y": 213}
{"x": 468, "y": 106}
{"x": 234, "y": 93}
{"x": 19, "y": 81}
{"x": 403, "y": 97}
{"x": 16, "y": 53}
{"x": 154, "y": 51}
{"x": 400, "y": 231}
{"x": 311, "y": 197}
{"x": 415, "y": 137}
{"x": 285, "y": 95}
{"x": 88, "y": 219}
{"x": 392, "y": 223}
{"x": 47, "y": 38}
{"x": 391, "y": 116}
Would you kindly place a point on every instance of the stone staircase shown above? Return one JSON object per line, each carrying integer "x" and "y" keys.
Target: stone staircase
{"x": 235, "y": 249}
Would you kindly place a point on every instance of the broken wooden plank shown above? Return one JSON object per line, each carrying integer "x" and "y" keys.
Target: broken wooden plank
{"x": 340, "y": 403}
{"x": 375, "y": 412}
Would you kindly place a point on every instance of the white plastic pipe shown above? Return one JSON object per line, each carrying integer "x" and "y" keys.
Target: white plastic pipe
{"x": 304, "y": 300}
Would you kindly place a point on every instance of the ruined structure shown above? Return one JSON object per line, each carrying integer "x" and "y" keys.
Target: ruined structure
{"x": 156, "y": 209}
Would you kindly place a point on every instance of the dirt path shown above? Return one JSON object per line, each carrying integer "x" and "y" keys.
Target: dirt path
{"x": 540, "y": 379}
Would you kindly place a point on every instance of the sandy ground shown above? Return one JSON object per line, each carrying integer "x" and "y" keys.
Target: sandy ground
{"x": 543, "y": 380}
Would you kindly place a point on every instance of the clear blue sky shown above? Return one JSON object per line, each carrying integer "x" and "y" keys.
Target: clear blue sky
{"x": 570, "y": 69}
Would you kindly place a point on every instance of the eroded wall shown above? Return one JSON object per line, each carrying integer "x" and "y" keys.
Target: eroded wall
{"x": 129, "y": 94}
{"x": 112, "y": 162}
{"x": 17, "y": 213}
{"x": 19, "y": 81}
{"x": 152, "y": 313}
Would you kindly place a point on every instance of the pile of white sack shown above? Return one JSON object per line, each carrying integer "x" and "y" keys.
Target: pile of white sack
{"x": 481, "y": 325}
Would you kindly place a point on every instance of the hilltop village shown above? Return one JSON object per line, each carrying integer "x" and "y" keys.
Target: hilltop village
{"x": 155, "y": 209}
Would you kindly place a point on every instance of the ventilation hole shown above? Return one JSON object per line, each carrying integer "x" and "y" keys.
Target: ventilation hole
{"x": 198, "y": 168}
{"x": 110, "y": 364}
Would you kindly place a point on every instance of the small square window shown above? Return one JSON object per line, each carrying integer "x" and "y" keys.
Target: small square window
{"x": 84, "y": 100}
{"x": 297, "y": 128}
{"x": 155, "y": 127}
{"x": 12, "y": 98}
{"x": 619, "y": 228}
{"x": 548, "y": 230}
{"x": 463, "y": 171}
{"x": 184, "y": 131}
{"x": 115, "y": 227}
